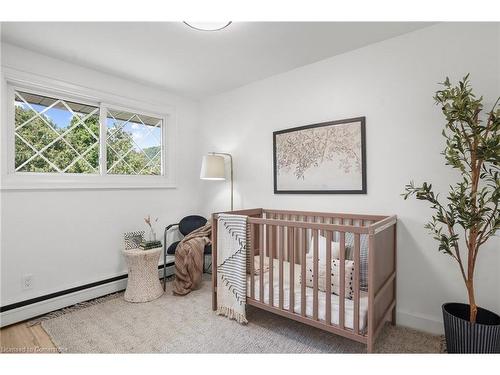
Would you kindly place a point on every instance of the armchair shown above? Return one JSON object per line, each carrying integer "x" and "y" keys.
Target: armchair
{"x": 185, "y": 226}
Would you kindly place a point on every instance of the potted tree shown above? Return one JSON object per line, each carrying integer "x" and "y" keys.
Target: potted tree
{"x": 471, "y": 215}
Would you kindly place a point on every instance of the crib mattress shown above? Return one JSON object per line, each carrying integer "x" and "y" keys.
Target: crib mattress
{"x": 348, "y": 305}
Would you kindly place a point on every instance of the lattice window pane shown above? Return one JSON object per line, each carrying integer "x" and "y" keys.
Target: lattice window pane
{"x": 37, "y": 164}
{"x": 55, "y": 135}
{"x": 134, "y": 143}
{"x": 88, "y": 164}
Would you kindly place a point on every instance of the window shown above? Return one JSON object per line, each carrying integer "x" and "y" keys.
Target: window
{"x": 58, "y": 136}
{"x": 53, "y": 135}
{"x": 133, "y": 143}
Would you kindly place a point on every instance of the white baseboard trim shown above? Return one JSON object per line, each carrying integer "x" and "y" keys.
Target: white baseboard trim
{"x": 56, "y": 303}
{"x": 421, "y": 322}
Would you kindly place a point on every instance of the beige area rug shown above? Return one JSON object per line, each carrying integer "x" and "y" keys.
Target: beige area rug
{"x": 173, "y": 324}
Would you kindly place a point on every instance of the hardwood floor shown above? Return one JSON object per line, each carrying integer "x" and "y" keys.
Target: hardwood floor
{"x": 20, "y": 338}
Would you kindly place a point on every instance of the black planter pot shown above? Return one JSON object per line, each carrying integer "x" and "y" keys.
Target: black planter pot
{"x": 464, "y": 337}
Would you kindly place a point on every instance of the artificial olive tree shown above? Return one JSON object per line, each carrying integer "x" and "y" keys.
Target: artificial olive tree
{"x": 472, "y": 147}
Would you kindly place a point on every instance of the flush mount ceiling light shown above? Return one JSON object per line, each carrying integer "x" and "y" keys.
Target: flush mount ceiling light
{"x": 208, "y": 26}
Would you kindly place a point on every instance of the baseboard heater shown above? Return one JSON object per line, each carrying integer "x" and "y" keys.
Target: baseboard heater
{"x": 30, "y": 308}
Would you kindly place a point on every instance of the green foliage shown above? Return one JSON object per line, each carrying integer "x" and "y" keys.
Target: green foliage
{"x": 122, "y": 158}
{"x": 472, "y": 147}
{"x": 41, "y": 131}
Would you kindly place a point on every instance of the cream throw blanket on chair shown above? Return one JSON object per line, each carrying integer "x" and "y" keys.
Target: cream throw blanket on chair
{"x": 231, "y": 266}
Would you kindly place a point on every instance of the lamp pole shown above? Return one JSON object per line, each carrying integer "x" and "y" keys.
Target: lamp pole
{"x": 231, "y": 165}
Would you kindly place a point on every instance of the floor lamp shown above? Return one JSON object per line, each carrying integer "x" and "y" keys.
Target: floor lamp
{"x": 213, "y": 167}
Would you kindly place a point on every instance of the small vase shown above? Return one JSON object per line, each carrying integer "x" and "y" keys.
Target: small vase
{"x": 152, "y": 235}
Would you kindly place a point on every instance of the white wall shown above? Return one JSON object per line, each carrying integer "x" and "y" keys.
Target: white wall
{"x": 67, "y": 238}
{"x": 391, "y": 83}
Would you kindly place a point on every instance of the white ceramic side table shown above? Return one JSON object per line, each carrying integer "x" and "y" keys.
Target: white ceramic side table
{"x": 143, "y": 284}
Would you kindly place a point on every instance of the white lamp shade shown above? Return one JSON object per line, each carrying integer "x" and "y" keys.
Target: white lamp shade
{"x": 213, "y": 168}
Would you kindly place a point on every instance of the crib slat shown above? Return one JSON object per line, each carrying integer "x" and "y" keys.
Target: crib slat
{"x": 342, "y": 280}
{"x": 303, "y": 273}
{"x": 315, "y": 274}
{"x": 291, "y": 233}
{"x": 287, "y": 218}
{"x": 261, "y": 262}
{"x": 328, "y": 279}
{"x": 296, "y": 246}
{"x": 281, "y": 249}
{"x": 304, "y": 236}
{"x": 356, "y": 282}
{"x": 270, "y": 254}
{"x": 252, "y": 260}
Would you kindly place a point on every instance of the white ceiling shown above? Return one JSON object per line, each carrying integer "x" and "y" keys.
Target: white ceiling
{"x": 194, "y": 63}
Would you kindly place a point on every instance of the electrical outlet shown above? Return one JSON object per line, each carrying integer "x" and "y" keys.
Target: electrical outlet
{"x": 27, "y": 282}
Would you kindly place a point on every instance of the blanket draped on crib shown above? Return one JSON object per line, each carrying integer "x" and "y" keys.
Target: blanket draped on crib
{"x": 231, "y": 266}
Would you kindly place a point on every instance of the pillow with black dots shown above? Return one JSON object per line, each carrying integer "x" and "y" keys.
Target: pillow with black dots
{"x": 335, "y": 277}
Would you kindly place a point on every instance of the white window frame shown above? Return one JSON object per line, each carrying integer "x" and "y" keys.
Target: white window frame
{"x": 13, "y": 81}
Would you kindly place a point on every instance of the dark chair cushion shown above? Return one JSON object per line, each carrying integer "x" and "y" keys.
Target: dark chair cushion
{"x": 186, "y": 226}
{"x": 171, "y": 249}
{"x": 191, "y": 223}
{"x": 208, "y": 249}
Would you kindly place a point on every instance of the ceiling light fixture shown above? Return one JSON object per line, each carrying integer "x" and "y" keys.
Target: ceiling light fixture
{"x": 208, "y": 26}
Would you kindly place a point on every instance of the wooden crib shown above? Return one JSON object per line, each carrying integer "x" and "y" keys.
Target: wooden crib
{"x": 283, "y": 239}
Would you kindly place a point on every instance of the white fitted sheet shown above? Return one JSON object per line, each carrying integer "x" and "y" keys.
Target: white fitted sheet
{"x": 349, "y": 304}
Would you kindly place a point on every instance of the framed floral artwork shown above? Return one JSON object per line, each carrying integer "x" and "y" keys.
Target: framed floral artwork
{"x": 325, "y": 158}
